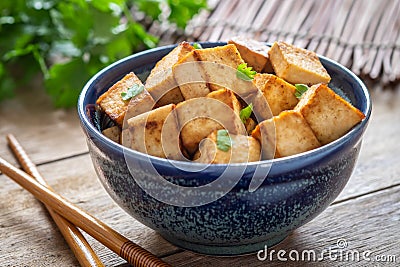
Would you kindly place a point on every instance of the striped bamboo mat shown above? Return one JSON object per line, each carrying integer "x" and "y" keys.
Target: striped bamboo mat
{"x": 363, "y": 35}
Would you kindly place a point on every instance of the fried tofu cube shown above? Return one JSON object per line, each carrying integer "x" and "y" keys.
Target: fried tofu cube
{"x": 126, "y": 138}
{"x": 190, "y": 77}
{"x": 254, "y": 53}
{"x": 139, "y": 104}
{"x": 297, "y": 65}
{"x": 279, "y": 94}
{"x": 211, "y": 69}
{"x": 113, "y": 133}
{"x": 219, "y": 59}
{"x": 285, "y": 135}
{"x": 242, "y": 149}
{"x": 161, "y": 83}
{"x": 328, "y": 114}
{"x": 228, "y": 98}
{"x": 250, "y": 125}
{"x": 156, "y": 133}
{"x": 111, "y": 101}
{"x": 261, "y": 108}
{"x": 200, "y": 116}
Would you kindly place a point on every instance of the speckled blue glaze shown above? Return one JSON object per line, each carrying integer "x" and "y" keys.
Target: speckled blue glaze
{"x": 296, "y": 190}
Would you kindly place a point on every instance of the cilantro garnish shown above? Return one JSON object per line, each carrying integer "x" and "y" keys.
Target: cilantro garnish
{"x": 197, "y": 46}
{"x": 132, "y": 91}
{"x": 245, "y": 73}
{"x": 224, "y": 142}
{"x": 246, "y": 113}
{"x": 300, "y": 89}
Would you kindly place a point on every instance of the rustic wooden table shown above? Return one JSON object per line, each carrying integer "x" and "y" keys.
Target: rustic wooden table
{"x": 365, "y": 217}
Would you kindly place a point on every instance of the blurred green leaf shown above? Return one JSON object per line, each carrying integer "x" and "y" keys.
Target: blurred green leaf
{"x": 65, "y": 48}
{"x": 183, "y": 10}
{"x": 65, "y": 82}
{"x": 109, "y": 5}
{"x": 18, "y": 52}
{"x": 150, "y": 7}
{"x": 103, "y": 24}
{"x": 6, "y": 84}
{"x": 69, "y": 41}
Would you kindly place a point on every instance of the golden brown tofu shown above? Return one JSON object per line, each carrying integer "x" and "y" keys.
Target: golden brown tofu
{"x": 254, "y": 53}
{"x": 243, "y": 149}
{"x": 250, "y": 125}
{"x": 111, "y": 101}
{"x": 261, "y": 108}
{"x": 113, "y": 133}
{"x": 190, "y": 76}
{"x": 328, "y": 114}
{"x": 227, "y": 97}
{"x": 279, "y": 94}
{"x": 161, "y": 83}
{"x": 285, "y": 135}
{"x": 228, "y": 56}
{"x": 211, "y": 69}
{"x": 297, "y": 65}
{"x": 156, "y": 133}
{"x": 139, "y": 104}
{"x": 126, "y": 138}
{"x": 200, "y": 116}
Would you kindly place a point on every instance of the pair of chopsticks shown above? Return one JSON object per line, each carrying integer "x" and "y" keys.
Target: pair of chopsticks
{"x": 68, "y": 217}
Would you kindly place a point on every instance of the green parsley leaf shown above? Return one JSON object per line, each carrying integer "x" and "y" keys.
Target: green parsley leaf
{"x": 224, "y": 142}
{"x": 197, "y": 46}
{"x": 246, "y": 113}
{"x": 132, "y": 92}
{"x": 245, "y": 73}
{"x": 300, "y": 89}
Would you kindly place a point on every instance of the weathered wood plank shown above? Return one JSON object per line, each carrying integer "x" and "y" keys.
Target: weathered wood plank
{"x": 40, "y": 127}
{"x": 378, "y": 165}
{"x": 25, "y": 226}
{"x": 29, "y": 237}
{"x": 367, "y": 225}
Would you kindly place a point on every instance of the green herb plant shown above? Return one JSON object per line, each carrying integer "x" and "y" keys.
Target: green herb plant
{"x": 245, "y": 113}
{"x": 132, "y": 91}
{"x": 300, "y": 89}
{"x": 224, "y": 141}
{"x": 245, "y": 73}
{"x": 197, "y": 46}
{"x": 68, "y": 41}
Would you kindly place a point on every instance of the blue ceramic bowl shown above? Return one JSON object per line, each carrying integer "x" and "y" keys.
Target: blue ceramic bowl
{"x": 296, "y": 190}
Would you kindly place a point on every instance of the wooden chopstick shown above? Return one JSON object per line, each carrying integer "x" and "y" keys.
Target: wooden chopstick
{"x": 76, "y": 241}
{"x": 131, "y": 252}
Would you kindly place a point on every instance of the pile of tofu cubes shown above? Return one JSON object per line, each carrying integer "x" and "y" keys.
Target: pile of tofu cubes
{"x": 192, "y": 94}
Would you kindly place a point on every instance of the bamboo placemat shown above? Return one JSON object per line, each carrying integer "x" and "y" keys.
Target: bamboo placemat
{"x": 363, "y": 35}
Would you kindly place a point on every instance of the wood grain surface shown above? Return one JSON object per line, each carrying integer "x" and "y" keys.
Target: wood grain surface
{"x": 366, "y": 214}
{"x": 39, "y": 127}
{"x": 338, "y": 223}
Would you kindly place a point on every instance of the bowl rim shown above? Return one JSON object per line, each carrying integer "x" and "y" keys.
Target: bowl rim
{"x": 284, "y": 160}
